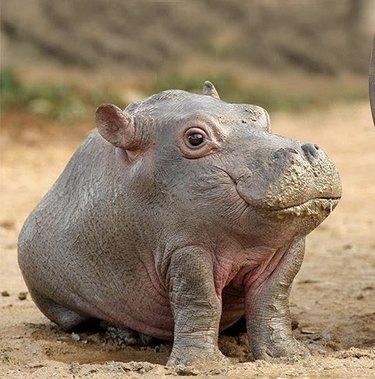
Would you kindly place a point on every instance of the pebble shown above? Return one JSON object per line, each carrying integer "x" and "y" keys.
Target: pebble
{"x": 183, "y": 370}
{"x": 22, "y": 295}
{"x": 308, "y": 330}
{"x": 75, "y": 337}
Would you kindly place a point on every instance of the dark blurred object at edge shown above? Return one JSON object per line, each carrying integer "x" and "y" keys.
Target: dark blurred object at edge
{"x": 372, "y": 80}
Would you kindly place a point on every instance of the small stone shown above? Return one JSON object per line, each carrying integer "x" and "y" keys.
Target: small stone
{"x": 308, "y": 281}
{"x": 295, "y": 324}
{"x": 22, "y": 296}
{"x": 5, "y": 293}
{"x": 336, "y": 346}
{"x": 183, "y": 370}
{"x": 164, "y": 348}
{"x": 368, "y": 288}
{"x": 139, "y": 367}
{"x": 62, "y": 338}
{"x": 309, "y": 330}
{"x": 74, "y": 368}
{"x": 217, "y": 371}
{"x": 360, "y": 297}
{"x": 7, "y": 224}
{"x": 94, "y": 338}
{"x": 75, "y": 337}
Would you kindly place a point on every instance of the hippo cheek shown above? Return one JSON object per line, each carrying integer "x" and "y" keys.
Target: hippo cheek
{"x": 253, "y": 184}
{"x": 253, "y": 188}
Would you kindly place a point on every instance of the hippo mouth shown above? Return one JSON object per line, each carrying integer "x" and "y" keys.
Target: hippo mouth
{"x": 310, "y": 207}
{"x": 317, "y": 206}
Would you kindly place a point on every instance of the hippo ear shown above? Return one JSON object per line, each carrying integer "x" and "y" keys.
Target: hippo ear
{"x": 210, "y": 90}
{"x": 116, "y": 126}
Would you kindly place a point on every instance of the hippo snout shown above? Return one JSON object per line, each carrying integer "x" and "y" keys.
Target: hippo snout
{"x": 296, "y": 174}
{"x": 309, "y": 151}
{"x": 308, "y": 182}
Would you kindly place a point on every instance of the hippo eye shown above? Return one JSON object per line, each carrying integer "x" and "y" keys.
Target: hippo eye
{"x": 197, "y": 142}
{"x": 195, "y": 139}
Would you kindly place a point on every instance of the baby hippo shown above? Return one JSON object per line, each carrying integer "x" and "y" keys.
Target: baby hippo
{"x": 175, "y": 218}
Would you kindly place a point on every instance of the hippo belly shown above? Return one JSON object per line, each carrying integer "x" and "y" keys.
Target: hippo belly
{"x": 142, "y": 309}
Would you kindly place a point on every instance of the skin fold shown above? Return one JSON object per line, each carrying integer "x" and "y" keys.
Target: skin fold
{"x": 174, "y": 219}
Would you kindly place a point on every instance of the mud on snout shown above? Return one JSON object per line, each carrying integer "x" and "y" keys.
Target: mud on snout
{"x": 302, "y": 182}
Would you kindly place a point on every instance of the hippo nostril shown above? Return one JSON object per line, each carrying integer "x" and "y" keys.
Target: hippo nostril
{"x": 311, "y": 151}
{"x": 285, "y": 152}
{"x": 291, "y": 150}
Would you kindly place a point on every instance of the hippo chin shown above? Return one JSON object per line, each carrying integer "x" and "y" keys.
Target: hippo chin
{"x": 174, "y": 219}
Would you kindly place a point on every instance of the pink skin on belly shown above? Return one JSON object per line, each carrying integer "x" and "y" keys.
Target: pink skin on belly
{"x": 232, "y": 276}
{"x": 232, "y": 272}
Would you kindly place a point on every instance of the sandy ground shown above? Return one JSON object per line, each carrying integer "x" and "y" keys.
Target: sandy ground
{"x": 333, "y": 298}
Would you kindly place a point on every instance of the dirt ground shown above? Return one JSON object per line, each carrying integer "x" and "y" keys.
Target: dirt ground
{"x": 332, "y": 301}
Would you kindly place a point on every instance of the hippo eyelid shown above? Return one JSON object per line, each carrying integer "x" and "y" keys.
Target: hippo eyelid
{"x": 196, "y": 131}
{"x": 208, "y": 145}
{"x": 199, "y": 128}
{"x": 207, "y": 123}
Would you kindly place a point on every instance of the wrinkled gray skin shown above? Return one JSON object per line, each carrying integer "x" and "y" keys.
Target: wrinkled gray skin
{"x": 152, "y": 234}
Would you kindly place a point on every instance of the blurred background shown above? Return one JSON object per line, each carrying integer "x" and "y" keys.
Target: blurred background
{"x": 305, "y": 61}
{"x": 60, "y": 59}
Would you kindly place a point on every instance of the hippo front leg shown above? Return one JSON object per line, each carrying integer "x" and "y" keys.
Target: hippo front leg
{"x": 196, "y": 307}
{"x": 267, "y": 309}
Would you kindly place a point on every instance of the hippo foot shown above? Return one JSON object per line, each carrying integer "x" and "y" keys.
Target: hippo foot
{"x": 196, "y": 356}
{"x": 125, "y": 336}
{"x": 283, "y": 348}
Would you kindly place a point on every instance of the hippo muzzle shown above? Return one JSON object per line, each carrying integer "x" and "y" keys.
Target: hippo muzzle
{"x": 296, "y": 180}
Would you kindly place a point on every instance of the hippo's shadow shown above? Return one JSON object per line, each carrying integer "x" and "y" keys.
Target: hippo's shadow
{"x": 89, "y": 343}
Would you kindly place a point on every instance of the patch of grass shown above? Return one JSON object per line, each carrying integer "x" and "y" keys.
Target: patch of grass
{"x": 59, "y": 101}
{"x": 68, "y": 102}
{"x": 296, "y": 98}
{"x": 191, "y": 83}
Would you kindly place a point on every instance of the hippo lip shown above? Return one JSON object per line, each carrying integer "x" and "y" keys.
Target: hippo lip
{"x": 314, "y": 206}
{"x": 309, "y": 207}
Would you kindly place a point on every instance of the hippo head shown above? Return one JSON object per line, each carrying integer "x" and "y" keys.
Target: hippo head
{"x": 216, "y": 168}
